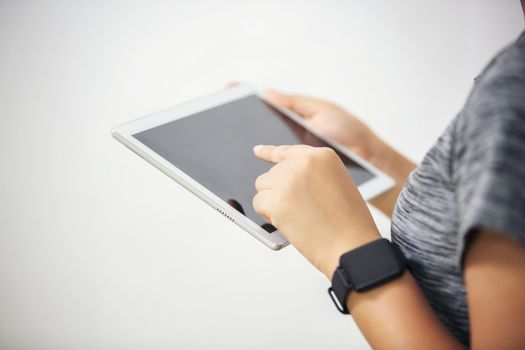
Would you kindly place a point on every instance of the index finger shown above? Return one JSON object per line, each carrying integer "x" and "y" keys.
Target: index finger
{"x": 276, "y": 154}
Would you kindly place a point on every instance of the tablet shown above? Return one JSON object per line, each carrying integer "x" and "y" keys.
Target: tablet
{"x": 206, "y": 145}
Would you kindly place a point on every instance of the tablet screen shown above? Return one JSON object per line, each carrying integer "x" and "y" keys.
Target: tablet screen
{"x": 215, "y": 148}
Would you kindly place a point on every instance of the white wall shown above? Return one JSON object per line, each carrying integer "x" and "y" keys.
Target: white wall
{"x": 98, "y": 250}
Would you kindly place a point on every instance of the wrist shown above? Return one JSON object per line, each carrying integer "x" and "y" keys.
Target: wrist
{"x": 390, "y": 161}
{"x": 382, "y": 155}
{"x": 331, "y": 262}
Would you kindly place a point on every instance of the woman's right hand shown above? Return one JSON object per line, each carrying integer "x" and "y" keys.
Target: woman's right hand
{"x": 332, "y": 122}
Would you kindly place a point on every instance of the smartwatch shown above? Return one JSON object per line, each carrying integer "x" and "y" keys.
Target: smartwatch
{"x": 365, "y": 267}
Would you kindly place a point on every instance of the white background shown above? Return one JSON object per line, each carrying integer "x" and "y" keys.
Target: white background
{"x": 99, "y": 250}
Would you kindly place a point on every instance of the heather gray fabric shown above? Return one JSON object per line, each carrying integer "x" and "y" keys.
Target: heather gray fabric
{"x": 473, "y": 177}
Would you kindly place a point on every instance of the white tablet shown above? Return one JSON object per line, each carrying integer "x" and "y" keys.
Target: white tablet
{"x": 206, "y": 145}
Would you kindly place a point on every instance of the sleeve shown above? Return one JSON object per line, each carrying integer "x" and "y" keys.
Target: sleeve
{"x": 490, "y": 164}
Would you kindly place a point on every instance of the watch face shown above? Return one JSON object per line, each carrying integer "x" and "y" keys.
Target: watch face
{"x": 373, "y": 264}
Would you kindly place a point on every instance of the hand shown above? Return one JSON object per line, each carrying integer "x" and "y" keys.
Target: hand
{"x": 331, "y": 121}
{"x": 310, "y": 197}
{"x": 335, "y": 123}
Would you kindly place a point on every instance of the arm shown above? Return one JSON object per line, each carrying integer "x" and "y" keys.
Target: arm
{"x": 310, "y": 197}
{"x": 339, "y": 125}
{"x": 396, "y": 166}
{"x": 396, "y": 315}
{"x": 495, "y": 279}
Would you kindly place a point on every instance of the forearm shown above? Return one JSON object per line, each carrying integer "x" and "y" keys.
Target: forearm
{"x": 394, "y": 315}
{"x": 397, "y": 166}
{"x": 397, "y": 316}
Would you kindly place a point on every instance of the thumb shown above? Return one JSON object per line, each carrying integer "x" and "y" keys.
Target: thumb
{"x": 305, "y": 106}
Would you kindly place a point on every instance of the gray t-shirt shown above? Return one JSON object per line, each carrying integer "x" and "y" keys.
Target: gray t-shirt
{"x": 473, "y": 177}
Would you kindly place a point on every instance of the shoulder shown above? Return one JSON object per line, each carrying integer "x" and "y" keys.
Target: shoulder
{"x": 495, "y": 108}
{"x": 489, "y": 148}
{"x": 500, "y": 89}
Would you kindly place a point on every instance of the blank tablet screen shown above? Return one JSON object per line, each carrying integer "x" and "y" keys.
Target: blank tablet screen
{"x": 215, "y": 148}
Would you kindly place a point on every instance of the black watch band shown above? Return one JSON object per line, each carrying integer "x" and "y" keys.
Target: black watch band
{"x": 365, "y": 267}
{"x": 340, "y": 289}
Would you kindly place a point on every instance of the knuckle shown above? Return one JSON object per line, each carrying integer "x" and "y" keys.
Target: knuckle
{"x": 283, "y": 149}
{"x": 279, "y": 198}
{"x": 297, "y": 168}
{"x": 257, "y": 203}
{"x": 326, "y": 154}
{"x": 307, "y": 161}
{"x": 259, "y": 181}
{"x": 280, "y": 204}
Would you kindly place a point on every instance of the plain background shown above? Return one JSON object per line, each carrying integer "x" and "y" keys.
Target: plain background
{"x": 99, "y": 250}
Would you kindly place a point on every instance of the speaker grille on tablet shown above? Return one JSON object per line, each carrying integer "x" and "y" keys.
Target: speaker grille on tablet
{"x": 223, "y": 213}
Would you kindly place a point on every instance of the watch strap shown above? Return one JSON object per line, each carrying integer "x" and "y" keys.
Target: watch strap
{"x": 341, "y": 287}
{"x": 365, "y": 267}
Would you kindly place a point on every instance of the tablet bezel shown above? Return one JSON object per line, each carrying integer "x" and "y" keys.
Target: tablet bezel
{"x": 275, "y": 240}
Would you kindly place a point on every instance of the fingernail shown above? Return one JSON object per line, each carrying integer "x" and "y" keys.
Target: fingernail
{"x": 258, "y": 148}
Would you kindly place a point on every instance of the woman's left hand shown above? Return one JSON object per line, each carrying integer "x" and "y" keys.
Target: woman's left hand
{"x": 311, "y": 198}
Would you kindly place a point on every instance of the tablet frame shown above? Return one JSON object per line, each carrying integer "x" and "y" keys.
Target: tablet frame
{"x": 275, "y": 240}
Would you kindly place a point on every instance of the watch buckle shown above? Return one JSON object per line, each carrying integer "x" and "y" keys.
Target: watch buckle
{"x": 338, "y": 306}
